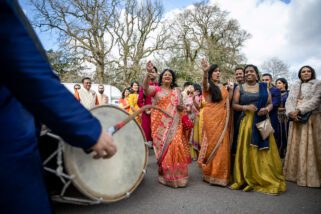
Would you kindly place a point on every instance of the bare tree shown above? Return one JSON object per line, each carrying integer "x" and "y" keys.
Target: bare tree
{"x": 205, "y": 31}
{"x": 139, "y": 33}
{"x": 66, "y": 66}
{"x": 83, "y": 26}
{"x": 276, "y": 67}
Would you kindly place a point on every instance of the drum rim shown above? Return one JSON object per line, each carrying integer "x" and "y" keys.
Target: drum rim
{"x": 80, "y": 185}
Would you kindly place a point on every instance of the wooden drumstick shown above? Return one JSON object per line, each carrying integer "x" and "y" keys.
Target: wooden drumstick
{"x": 112, "y": 130}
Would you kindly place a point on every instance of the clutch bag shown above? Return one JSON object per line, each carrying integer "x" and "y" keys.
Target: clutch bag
{"x": 265, "y": 127}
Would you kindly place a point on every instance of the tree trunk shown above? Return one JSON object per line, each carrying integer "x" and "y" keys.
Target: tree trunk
{"x": 100, "y": 67}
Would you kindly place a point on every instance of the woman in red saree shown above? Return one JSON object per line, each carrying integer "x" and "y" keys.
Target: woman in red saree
{"x": 214, "y": 158}
{"x": 167, "y": 132}
{"x": 147, "y": 100}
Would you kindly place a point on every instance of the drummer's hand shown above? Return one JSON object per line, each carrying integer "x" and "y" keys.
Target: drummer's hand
{"x": 105, "y": 147}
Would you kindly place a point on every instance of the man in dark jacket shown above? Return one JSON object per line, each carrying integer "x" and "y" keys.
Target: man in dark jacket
{"x": 31, "y": 92}
{"x": 276, "y": 100}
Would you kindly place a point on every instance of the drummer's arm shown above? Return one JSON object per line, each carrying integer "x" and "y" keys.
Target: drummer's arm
{"x": 26, "y": 73}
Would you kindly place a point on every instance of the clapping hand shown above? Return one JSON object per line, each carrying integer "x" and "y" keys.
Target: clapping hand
{"x": 250, "y": 107}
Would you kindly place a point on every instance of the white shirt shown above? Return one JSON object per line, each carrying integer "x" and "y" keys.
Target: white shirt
{"x": 87, "y": 98}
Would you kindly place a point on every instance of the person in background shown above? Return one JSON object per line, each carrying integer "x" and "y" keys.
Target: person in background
{"x": 147, "y": 100}
{"x": 282, "y": 85}
{"x": 196, "y": 132}
{"x": 257, "y": 163}
{"x": 123, "y": 101}
{"x": 87, "y": 97}
{"x": 31, "y": 93}
{"x": 239, "y": 77}
{"x": 214, "y": 157}
{"x": 188, "y": 118}
{"x": 102, "y": 99}
{"x": 133, "y": 100}
{"x": 76, "y": 89}
{"x": 303, "y": 157}
{"x": 167, "y": 132}
{"x": 276, "y": 101}
{"x": 185, "y": 93}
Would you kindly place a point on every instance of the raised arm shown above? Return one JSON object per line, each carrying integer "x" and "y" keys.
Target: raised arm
{"x": 205, "y": 67}
{"x": 148, "y": 90}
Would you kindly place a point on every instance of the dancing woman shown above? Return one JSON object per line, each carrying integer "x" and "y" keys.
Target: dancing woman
{"x": 167, "y": 133}
{"x": 214, "y": 158}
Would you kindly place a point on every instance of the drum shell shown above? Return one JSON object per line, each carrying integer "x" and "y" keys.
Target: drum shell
{"x": 97, "y": 179}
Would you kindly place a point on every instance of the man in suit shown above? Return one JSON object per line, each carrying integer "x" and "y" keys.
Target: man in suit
{"x": 276, "y": 100}
{"x": 30, "y": 92}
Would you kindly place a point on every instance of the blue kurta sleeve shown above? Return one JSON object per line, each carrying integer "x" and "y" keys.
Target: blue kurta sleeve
{"x": 276, "y": 97}
{"x": 26, "y": 73}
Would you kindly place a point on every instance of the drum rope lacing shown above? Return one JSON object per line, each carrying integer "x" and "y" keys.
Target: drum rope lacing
{"x": 64, "y": 178}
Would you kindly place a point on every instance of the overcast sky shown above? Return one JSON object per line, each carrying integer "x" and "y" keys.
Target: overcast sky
{"x": 287, "y": 29}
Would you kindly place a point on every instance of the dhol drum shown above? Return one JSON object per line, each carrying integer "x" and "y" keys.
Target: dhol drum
{"x": 104, "y": 180}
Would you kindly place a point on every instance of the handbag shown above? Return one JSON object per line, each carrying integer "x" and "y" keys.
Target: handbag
{"x": 303, "y": 118}
{"x": 265, "y": 127}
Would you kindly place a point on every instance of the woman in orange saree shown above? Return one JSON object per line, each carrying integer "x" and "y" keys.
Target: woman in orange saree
{"x": 167, "y": 132}
{"x": 214, "y": 158}
{"x": 123, "y": 101}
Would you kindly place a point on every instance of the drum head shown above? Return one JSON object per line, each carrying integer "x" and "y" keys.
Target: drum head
{"x": 111, "y": 179}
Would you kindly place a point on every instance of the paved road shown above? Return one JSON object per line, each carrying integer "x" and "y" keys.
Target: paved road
{"x": 199, "y": 197}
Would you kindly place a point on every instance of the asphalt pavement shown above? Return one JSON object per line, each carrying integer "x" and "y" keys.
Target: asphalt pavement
{"x": 200, "y": 197}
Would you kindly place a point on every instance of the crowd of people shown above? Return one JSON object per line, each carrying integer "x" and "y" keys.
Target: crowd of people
{"x": 88, "y": 97}
{"x": 216, "y": 125}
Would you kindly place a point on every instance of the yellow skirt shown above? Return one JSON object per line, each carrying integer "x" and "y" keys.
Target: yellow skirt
{"x": 258, "y": 170}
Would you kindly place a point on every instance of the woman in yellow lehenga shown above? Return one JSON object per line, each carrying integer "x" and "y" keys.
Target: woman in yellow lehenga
{"x": 214, "y": 157}
{"x": 133, "y": 100}
{"x": 167, "y": 133}
{"x": 257, "y": 164}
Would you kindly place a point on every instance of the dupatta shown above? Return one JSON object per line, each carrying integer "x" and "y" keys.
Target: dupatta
{"x": 257, "y": 140}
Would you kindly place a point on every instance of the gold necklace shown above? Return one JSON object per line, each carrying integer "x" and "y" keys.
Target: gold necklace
{"x": 166, "y": 91}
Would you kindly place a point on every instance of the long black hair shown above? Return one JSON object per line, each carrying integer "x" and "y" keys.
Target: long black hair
{"x": 160, "y": 80}
{"x": 123, "y": 93}
{"x": 197, "y": 87}
{"x": 131, "y": 86}
{"x": 215, "y": 91}
{"x": 312, "y": 72}
{"x": 283, "y": 80}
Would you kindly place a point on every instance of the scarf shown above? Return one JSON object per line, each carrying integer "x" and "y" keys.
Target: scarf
{"x": 262, "y": 101}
